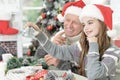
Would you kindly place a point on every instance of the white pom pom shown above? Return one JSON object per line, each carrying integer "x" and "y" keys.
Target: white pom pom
{"x": 60, "y": 17}
{"x": 112, "y": 33}
{"x": 99, "y": 2}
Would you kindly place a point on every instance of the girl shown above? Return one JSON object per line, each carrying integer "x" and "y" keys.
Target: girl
{"x": 96, "y": 44}
{"x": 98, "y": 57}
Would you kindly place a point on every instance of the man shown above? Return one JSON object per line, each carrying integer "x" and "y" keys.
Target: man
{"x": 72, "y": 30}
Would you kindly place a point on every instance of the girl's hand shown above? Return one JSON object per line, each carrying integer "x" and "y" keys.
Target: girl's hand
{"x": 92, "y": 39}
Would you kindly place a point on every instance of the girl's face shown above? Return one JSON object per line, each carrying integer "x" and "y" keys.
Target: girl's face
{"x": 91, "y": 26}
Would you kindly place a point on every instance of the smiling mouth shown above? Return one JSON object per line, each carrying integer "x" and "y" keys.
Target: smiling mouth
{"x": 69, "y": 30}
{"x": 88, "y": 32}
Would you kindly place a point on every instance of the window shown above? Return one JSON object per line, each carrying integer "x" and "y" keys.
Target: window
{"x": 31, "y": 9}
{"x": 30, "y": 12}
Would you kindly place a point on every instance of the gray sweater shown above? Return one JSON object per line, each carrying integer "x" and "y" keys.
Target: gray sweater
{"x": 95, "y": 69}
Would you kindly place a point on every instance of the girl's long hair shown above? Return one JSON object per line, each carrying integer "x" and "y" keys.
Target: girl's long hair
{"x": 103, "y": 43}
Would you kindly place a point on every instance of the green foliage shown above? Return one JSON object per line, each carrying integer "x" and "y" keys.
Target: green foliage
{"x": 15, "y": 62}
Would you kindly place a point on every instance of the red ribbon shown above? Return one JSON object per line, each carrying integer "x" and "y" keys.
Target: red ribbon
{"x": 37, "y": 76}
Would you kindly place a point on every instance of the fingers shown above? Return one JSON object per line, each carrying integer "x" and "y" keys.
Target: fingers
{"x": 59, "y": 39}
{"x": 30, "y": 24}
{"x": 47, "y": 57}
{"x": 92, "y": 39}
{"x": 61, "y": 33}
{"x": 51, "y": 60}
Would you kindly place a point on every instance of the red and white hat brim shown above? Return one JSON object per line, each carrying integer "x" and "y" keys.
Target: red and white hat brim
{"x": 70, "y": 10}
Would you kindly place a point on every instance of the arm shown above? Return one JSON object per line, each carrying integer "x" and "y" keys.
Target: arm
{"x": 100, "y": 69}
{"x": 61, "y": 52}
{"x": 40, "y": 52}
{"x": 60, "y": 64}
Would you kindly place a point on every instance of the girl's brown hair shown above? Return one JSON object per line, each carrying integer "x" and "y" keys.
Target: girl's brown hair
{"x": 103, "y": 43}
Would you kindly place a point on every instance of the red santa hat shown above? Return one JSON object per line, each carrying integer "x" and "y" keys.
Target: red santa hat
{"x": 101, "y": 12}
{"x": 72, "y": 8}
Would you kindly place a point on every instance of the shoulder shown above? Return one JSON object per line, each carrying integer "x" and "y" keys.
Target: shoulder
{"x": 113, "y": 52}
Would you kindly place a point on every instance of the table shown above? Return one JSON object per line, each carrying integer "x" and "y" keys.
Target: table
{"x": 21, "y": 73}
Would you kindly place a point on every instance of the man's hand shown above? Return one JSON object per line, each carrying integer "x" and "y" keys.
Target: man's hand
{"x": 50, "y": 60}
{"x": 31, "y": 24}
{"x": 59, "y": 39}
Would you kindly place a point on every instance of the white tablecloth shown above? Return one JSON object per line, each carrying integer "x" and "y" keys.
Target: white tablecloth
{"x": 21, "y": 73}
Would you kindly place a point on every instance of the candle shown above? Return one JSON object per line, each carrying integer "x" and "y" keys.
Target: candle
{"x": 2, "y": 70}
{"x": 6, "y": 57}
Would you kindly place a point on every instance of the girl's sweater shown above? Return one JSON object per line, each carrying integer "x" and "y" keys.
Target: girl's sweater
{"x": 95, "y": 69}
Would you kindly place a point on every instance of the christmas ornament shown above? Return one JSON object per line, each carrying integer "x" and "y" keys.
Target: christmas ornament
{"x": 49, "y": 27}
{"x": 117, "y": 43}
{"x": 48, "y": 16}
{"x": 43, "y": 15}
{"x": 5, "y": 17}
{"x": 55, "y": 18}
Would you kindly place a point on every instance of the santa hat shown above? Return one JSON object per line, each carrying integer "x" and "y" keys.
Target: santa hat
{"x": 72, "y": 8}
{"x": 101, "y": 12}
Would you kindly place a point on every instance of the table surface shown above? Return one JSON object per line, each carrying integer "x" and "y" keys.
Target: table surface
{"x": 21, "y": 73}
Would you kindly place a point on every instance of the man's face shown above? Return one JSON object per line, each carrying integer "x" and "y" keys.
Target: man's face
{"x": 72, "y": 25}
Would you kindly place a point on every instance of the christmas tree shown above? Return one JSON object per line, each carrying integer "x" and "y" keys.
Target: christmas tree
{"x": 48, "y": 16}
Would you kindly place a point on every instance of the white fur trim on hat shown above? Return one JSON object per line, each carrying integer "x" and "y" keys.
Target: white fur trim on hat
{"x": 99, "y": 2}
{"x": 87, "y": 1}
{"x": 73, "y": 10}
{"x": 60, "y": 17}
{"x": 70, "y": 10}
{"x": 91, "y": 11}
{"x": 112, "y": 33}
{"x": 115, "y": 32}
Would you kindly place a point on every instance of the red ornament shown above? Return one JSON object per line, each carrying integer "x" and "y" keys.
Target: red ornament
{"x": 117, "y": 41}
{"x": 49, "y": 27}
{"x": 42, "y": 16}
{"x": 55, "y": 18}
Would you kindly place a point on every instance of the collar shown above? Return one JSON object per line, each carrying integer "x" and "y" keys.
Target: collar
{"x": 70, "y": 40}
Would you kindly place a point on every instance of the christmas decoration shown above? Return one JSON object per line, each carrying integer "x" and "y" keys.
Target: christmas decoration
{"x": 5, "y": 19}
{"x": 48, "y": 16}
{"x": 72, "y": 8}
{"x": 117, "y": 42}
{"x": 49, "y": 27}
{"x": 15, "y": 62}
{"x": 32, "y": 48}
{"x": 51, "y": 75}
{"x": 6, "y": 29}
